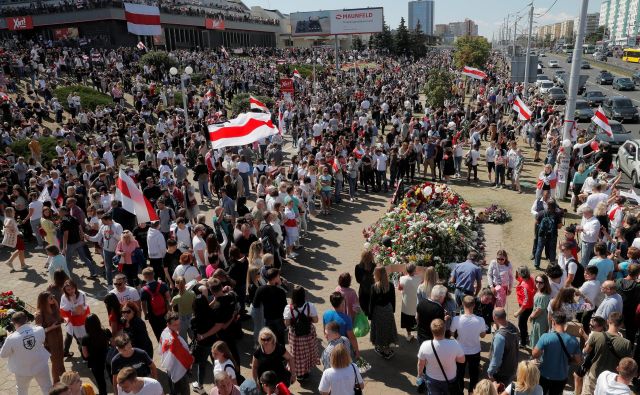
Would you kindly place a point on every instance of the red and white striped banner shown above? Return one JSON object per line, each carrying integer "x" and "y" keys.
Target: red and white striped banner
{"x": 257, "y": 104}
{"x": 296, "y": 73}
{"x": 245, "y": 129}
{"x": 602, "y": 121}
{"x": 133, "y": 200}
{"x": 143, "y": 20}
{"x": 524, "y": 113}
{"x": 141, "y": 46}
{"x": 474, "y": 73}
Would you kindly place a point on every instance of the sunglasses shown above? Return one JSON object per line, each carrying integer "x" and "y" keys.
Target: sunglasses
{"x": 539, "y": 282}
{"x": 500, "y": 259}
{"x": 266, "y": 339}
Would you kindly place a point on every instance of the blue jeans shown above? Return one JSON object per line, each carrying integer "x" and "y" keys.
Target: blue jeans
{"x": 587, "y": 252}
{"x": 108, "y": 265}
{"x": 549, "y": 244}
{"x": 245, "y": 183}
{"x": 338, "y": 191}
{"x": 437, "y": 387}
{"x": 35, "y": 224}
{"x": 78, "y": 248}
{"x": 353, "y": 182}
{"x": 457, "y": 162}
{"x": 204, "y": 189}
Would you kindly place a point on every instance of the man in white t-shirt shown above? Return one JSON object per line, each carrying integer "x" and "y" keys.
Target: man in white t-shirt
{"x": 409, "y": 287}
{"x": 590, "y": 289}
{"x": 568, "y": 264}
{"x": 380, "y": 162}
{"x": 470, "y": 329}
{"x": 129, "y": 383}
{"x": 610, "y": 383}
{"x": 34, "y": 216}
{"x": 449, "y": 353}
{"x": 199, "y": 247}
{"x": 124, "y": 292}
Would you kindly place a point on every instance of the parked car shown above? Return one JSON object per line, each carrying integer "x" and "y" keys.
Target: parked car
{"x": 583, "y": 112}
{"x": 628, "y": 160}
{"x": 623, "y": 84}
{"x": 620, "y": 108}
{"x": 545, "y": 86}
{"x": 556, "y": 95}
{"x": 585, "y": 65}
{"x": 620, "y": 134}
{"x": 636, "y": 78}
{"x": 554, "y": 63}
{"x": 605, "y": 78}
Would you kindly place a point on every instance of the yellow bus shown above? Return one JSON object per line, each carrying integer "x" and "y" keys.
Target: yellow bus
{"x": 631, "y": 55}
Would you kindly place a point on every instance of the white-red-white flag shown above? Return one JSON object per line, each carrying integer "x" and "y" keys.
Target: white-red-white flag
{"x": 46, "y": 197}
{"x": 224, "y": 52}
{"x": 143, "y": 20}
{"x": 141, "y": 46}
{"x": 133, "y": 200}
{"x": 245, "y": 129}
{"x": 280, "y": 120}
{"x": 209, "y": 95}
{"x": 257, "y": 104}
{"x": 175, "y": 357}
{"x": 524, "y": 113}
{"x": 296, "y": 74}
{"x": 602, "y": 121}
{"x": 3, "y": 97}
{"x": 474, "y": 73}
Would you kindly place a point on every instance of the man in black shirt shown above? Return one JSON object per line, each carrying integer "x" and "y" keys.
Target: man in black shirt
{"x": 73, "y": 242}
{"x": 273, "y": 299}
{"x": 244, "y": 240}
{"x": 152, "y": 191}
{"x": 171, "y": 260}
{"x": 128, "y": 356}
{"x": 428, "y": 310}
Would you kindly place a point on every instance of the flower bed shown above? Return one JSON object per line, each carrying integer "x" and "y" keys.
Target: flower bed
{"x": 494, "y": 214}
{"x": 9, "y": 304}
{"x": 431, "y": 226}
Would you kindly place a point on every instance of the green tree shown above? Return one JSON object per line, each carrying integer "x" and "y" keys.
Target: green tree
{"x": 471, "y": 51}
{"x": 418, "y": 41}
{"x": 438, "y": 87}
{"x": 240, "y": 103}
{"x": 357, "y": 43}
{"x": 383, "y": 40}
{"x": 596, "y": 36}
{"x": 402, "y": 39}
{"x": 160, "y": 59}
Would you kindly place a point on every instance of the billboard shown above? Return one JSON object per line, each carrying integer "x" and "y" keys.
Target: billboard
{"x": 65, "y": 33}
{"x": 214, "y": 24}
{"x": 325, "y": 23}
{"x": 19, "y": 23}
{"x": 286, "y": 85}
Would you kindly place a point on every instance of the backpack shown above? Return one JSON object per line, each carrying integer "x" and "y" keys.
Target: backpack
{"x": 157, "y": 301}
{"x": 301, "y": 324}
{"x": 547, "y": 226}
{"x": 578, "y": 278}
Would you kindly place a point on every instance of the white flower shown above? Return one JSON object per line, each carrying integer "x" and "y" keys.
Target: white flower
{"x": 439, "y": 189}
{"x": 427, "y": 191}
{"x": 367, "y": 246}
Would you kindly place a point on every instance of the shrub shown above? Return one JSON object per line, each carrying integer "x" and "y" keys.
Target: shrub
{"x": 160, "y": 59}
{"x": 240, "y": 103}
{"x": 47, "y": 144}
{"x": 89, "y": 97}
{"x": 305, "y": 70}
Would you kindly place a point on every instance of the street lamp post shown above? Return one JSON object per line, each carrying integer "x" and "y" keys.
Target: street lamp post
{"x": 187, "y": 72}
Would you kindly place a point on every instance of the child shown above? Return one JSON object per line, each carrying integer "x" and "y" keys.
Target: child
{"x": 55, "y": 261}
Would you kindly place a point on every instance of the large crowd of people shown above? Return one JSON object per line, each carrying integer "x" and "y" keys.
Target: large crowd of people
{"x": 188, "y": 282}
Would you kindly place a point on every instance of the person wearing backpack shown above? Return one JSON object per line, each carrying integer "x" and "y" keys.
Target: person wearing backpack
{"x": 548, "y": 222}
{"x": 300, "y": 317}
{"x": 155, "y": 298}
{"x": 629, "y": 291}
{"x": 572, "y": 271}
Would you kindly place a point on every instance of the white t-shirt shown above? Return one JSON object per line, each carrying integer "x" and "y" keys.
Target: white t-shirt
{"x": 25, "y": 350}
{"x": 189, "y": 273}
{"x": 591, "y": 289}
{"x": 607, "y": 385}
{"x": 475, "y": 155}
{"x": 469, "y": 328}
{"x": 150, "y": 387}
{"x": 227, "y": 366}
{"x": 490, "y": 154}
{"x": 129, "y": 294}
{"x": 199, "y": 245}
{"x": 595, "y": 198}
{"x": 310, "y": 311}
{"x": 567, "y": 266}
{"x": 410, "y": 293}
{"x": 37, "y": 210}
{"x": 448, "y": 350}
{"x": 340, "y": 381}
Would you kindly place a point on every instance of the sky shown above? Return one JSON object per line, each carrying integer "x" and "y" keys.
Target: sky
{"x": 488, "y": 14}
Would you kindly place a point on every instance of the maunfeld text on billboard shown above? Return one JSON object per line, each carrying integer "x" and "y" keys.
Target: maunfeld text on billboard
{"x": 324, "y": 23}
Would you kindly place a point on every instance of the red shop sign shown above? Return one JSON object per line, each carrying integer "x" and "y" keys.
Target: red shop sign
{"x": 19, "y": 23}
{"x": 214, "y": 24}
{"x": 286, "y": 85}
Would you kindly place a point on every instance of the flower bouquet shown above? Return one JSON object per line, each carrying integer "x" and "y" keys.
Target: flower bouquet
{"x": 431, "y": 226}
{"x": 494, "y": 214}
{"x": 363, "y": 366}
{"x": 10, "y": 304}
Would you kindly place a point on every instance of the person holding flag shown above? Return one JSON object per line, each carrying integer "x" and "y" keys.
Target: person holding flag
{"x": 175, "y": 357}
{"x": 600, "y": 119}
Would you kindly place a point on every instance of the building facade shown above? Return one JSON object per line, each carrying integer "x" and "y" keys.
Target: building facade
{"x": 422, "y": 12}
{"x": 622, "y": 21}
{"x": 464, "y": 28}
{"x": 591, "y": 25}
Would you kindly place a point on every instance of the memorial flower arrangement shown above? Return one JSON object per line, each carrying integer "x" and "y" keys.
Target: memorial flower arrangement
{"x": 9, "y": 304}
{"x": 431, "y": 226}
{"x": 494, "y": 214}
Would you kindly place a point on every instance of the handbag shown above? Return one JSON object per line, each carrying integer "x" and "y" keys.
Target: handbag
{"x": 453, "y": 388}
{"x": 357, "y": 389}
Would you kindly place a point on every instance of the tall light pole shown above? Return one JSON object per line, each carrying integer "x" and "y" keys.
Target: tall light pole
{"x": 570, "y": 107}
{"x": 515, "y": 35}
{"x": 187, "y": 72}
{"x": 528, "y": 54}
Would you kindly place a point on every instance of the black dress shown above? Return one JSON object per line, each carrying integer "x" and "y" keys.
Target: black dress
{"x": 137, "y": 331}
{"x": 274, "y": 361}
{"x": 365, "y": 279}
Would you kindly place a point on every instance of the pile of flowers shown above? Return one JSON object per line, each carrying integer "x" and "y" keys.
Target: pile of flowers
{"x": 494, "y": 214}
{"x": 431, "y": 226}
{"x": 9, "y": 304}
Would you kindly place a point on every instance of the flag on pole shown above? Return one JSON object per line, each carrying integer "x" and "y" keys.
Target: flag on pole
{"x": 133, "y": 200}
{"x": 245, "y": 129}
{"x": 296, "y": 74}
{"x": 143, "y": 20}
{"x": 224, "y": 52}
{"x": 46, "y": 197}
{"x": 602, "y": 121}
{"x": 257, "y": 104}
{"x": 474, "y": 73}
{"x": 141, "y": 46}
{"x": 209, "y": 95}
{"x": 524, "y": 113}
{"x": 280, "y": 120}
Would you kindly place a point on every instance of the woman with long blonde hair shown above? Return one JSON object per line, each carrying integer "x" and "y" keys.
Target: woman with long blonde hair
{"x": 485, "y": 387}
{"x": 527, "y": 378}
{"x": 429, "y": 280}
{"x": 382, "y": 307}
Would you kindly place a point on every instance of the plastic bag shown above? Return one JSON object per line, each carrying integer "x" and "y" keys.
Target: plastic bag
{"x": 361, "y": 325}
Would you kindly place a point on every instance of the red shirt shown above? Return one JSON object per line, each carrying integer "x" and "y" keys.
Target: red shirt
{"x": 525, "y": 290}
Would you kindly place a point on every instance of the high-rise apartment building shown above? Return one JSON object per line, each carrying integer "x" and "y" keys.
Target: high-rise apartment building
{"x": 621, "y": 19}
{"x": 422, "y": 12}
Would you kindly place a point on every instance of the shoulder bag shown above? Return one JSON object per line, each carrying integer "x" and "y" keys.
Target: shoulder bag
{"x": 564, "y": 348}
{"x": 452, "y": 386}
{"x": 357, "y": 389}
